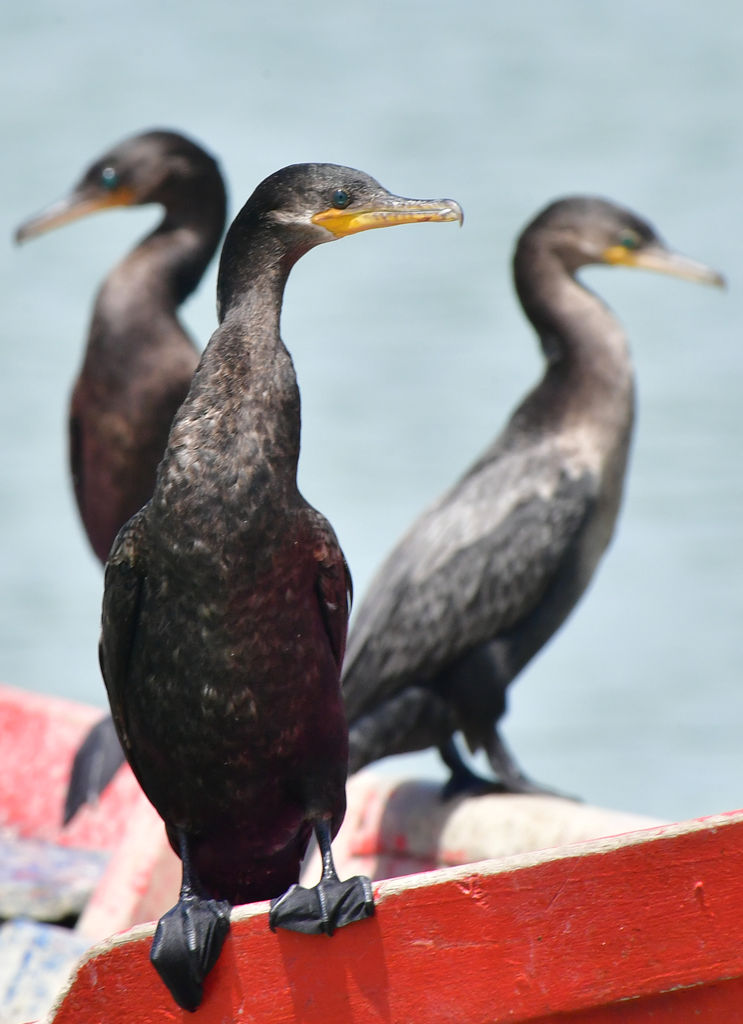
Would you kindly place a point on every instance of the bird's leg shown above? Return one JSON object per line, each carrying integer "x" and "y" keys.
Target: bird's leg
{"x": 510, "y": 778}
{"x": 510, "y": 774}
{"x": 463, "y": 781}
{"x": 189, "y": 938}
{"x": 330, "y": 904}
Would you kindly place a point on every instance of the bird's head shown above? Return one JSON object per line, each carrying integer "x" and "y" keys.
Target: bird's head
{"x": 583, "y": 230}
{"x": 153, "y": 167}
{"x": 304, "y": 205}
{"x": 326, "y": 201}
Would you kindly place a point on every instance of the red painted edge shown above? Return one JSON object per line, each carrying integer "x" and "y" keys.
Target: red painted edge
{"x": 606, "y": 931}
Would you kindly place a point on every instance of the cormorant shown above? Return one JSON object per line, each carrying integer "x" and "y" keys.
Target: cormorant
{"x": 489, "y": 572}
{"x": 226, "y": 602}
{"x": 138, "y": 360}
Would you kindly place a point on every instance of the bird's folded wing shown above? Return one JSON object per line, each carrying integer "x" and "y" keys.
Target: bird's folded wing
{"x": 122, "y": 600}
{"x": 334, "y": 589}
{"x": 471, "y": 567}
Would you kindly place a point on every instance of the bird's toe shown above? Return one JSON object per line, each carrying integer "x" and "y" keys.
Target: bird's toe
{"x": 187, "y": 943}
{"x": 320, "y": 910}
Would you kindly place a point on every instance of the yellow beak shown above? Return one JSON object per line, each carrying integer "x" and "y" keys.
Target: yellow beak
{"x": 72, "y": 207}
{"x": 386, "y": 212}
{"x": 664, "y": 261}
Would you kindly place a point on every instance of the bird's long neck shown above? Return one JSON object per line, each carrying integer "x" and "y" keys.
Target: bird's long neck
{"x": 589, "y": 376}
{"x": 240, "y": 424}
{"x": 143, "y": 292}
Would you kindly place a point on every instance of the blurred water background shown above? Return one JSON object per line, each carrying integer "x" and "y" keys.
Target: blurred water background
{"x": 409, "y": 345}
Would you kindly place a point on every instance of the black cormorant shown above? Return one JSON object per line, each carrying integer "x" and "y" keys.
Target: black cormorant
{"x": 226, "y": 597}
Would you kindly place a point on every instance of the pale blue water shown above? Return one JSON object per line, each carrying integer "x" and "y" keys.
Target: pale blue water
{"x": 409, "y": 345}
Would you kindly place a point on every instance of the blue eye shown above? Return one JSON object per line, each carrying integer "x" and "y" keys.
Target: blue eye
{"x": 109, "y": 178}
{"x": 341, "y": 199}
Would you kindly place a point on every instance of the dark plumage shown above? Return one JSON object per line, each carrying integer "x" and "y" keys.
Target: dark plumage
{"x": 226, "y": 596}
{"x": 489, "y": 572}
{"x": 138, "y": 360}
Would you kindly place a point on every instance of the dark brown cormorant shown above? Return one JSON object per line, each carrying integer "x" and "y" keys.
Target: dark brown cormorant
{"x": 490, "y": 571}
{"x": 226, "y": 597}
{"x": 139, "y": 360}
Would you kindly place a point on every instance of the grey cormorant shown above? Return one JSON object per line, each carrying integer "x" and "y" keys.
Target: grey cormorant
{"x": 489, "y": 572}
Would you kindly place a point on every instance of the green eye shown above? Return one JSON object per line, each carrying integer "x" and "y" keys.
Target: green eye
{"x": 629, "y": 240}
{"x": 341, "y": 199}
{"x": 109, "y": 178}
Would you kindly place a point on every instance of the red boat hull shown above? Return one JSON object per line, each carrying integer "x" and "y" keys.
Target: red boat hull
{"x": 642, "y": 927}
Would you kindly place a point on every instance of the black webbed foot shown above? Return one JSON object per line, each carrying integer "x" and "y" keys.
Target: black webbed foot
{"x": 528, "y": 787}
{"x": 187, "y": 943}
{"x": 328, "y": 905}
{"x": 469, "y": 783}
{"x": 510, "y": 779}
{"x": 465, "y": 782}
{"x": 510, "y": 774}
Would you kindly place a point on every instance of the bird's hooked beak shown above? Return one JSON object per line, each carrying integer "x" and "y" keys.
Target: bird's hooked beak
{"x": 386, "y": 211}
{"x": 664, "y": 261}
{"x": 79, "y": 203}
